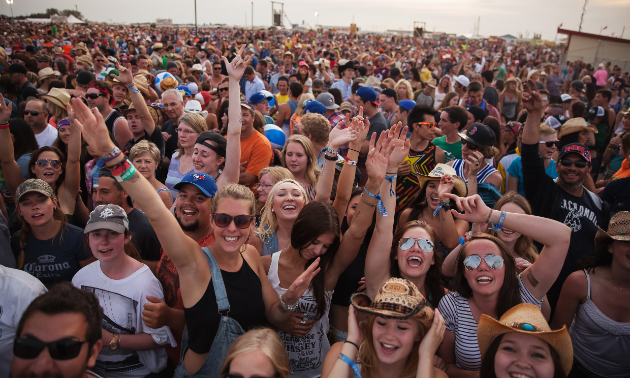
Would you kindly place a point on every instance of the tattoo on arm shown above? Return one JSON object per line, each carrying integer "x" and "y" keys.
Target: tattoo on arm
{"x": 532, "y": 280}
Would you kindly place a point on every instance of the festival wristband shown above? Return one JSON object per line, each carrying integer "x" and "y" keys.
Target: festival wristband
{"x": 126, "y": 175}
{"x": 131, "y": 88}
{"x": 120, "y": 168}
{"x": 5, "y": 126}
{"x": 353, "y": 365}
{"x": 498, "y": 226}
{"x": 391, "y": 179}
{"x": 350, "y": 162}
{"x": 112, "y": 155}
{"x": 379, "y": 202}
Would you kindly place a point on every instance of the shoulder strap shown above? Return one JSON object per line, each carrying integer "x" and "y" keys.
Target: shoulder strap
{"x": 588, "y": 280}
{"x": 217, "y": 282}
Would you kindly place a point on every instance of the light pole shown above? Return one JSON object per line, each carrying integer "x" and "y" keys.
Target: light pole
{"x": 316, "y": 19}
{"x": 10, "y": 2}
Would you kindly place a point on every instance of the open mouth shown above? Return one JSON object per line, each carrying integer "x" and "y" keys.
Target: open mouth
{"x": 37, "y": 216}
{"x": 105, "y": 251}
{"x": 484, "y": 280}
{"x": 48, "y": 174}
{"x": 507, "y": 232}
{"x": 519, "y": 375}
{"x": 289, "y": 208}
{"x": 188, "y": 213}
{"x": 388, "y": 348}
{"x": 414, "y": 261}
{"x": 231, "y": 239}
{"x": 199, "y": 166}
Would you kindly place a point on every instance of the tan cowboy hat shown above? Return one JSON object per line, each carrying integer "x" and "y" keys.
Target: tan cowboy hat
{"x": 142, "y": 85}
{"x": 81, "y": 46}
{"x": 57, "y": 50}
{"x": 397, "y": 298}
{"x": 168, "y": 83}
{"x": 432, "y": 83}
{"x": 526, "y": 318}
{"x": 575, "y": 125}
{"x": 441, "y": 170}
{"x": 618, "y": 229}
{"x": 531, "y": 73}
{"x": 57, "y": 96}
{"x": 371, "y": 82}
{"x": 196, "y": 67}
{"x": 144, "y": 73}
{"x": 46, "y": 73}
{"x": 86, "y": 59}
{"x": 158, "y": 46}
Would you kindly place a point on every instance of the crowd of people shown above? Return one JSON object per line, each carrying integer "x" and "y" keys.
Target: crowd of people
{"x": 267, "y": 203}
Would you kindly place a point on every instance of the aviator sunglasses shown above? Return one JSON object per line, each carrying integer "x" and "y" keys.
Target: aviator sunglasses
{"x": 30, "y": 347}
{"x": 472, "y": 262}
{"x": 424, "y": 244}
{"x": 43, "y": 163}
{"x": 240, "y": 221}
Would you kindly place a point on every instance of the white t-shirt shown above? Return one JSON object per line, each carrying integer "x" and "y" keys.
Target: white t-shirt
{"x": 18, "y": 290}
{"x": 47, "y": 137}
{"x": 122, "y": 302}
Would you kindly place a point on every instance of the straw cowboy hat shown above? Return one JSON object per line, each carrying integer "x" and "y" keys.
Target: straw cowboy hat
{"x": 441, "y": 170}
{"x": 57, "y": 96}
{"x": 527, "y": 319}
{"x": 81, "y": 46}
{"x": 618, "y": 228}
{"x": 397, "y": 298}
{"x": 46, "y": 73}
{"x": 575, "y": 125}
{"x": 371, "y": 82}
{"x": 142, "y": 85}
{"x": 197, "y": 67}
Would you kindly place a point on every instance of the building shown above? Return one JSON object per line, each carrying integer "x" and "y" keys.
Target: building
{"x": 595, "y": 49}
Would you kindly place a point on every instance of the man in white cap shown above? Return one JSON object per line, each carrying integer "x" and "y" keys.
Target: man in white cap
{"x": 46, "y": 76}
{"x": 461, "y": 83}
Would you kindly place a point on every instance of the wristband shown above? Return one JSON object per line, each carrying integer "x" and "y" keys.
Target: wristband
{"x": 112, "y": 155}
{"x": 353, "y": 365}
{"x": 131, "y": 88}
{"x": 126, "y": 175}
{"x": 498, "y": 226}
{"x": 120, "y": 168}
{"x": 379, "y": 202}
{"x": 331, "y": 158}
{"x": 5, "y": 126}
{"x": 391, "y": 179}
{"x": 350, "y": 162}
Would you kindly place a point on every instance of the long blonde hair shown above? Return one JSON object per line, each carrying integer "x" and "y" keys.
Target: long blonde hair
{"x": 409, "y": 89}
{"x": 299, "y": 110}
{"x": 268, "y": 343}
{"x": 312, "y": 172}
{"x": 195, "y": 122}
{"x": 268, "y": 220}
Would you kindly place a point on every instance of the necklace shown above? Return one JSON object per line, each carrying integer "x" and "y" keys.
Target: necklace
{"x": 613, "y": 282}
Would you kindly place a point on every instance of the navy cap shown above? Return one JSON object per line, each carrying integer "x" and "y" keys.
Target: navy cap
{"x": 367, "y": 94}
{"x": 389, "y": 92}
{"x": 407, "y": 104}
{"x": 17, "y": 68}
{"x": 575, "y": 148}
{"x": 204, "y": 182}
{"x": 216, "y": 138}
{"x": 259, "y": 97}
{"x": 314, "y": 106}
{"x": 477, "y": 112}
{"x": 479, "y": 134}
{"x": 247, "y": 105}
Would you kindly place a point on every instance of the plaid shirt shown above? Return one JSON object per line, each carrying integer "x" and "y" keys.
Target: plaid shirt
{"x": 334, "y": 120}
{"x": 267, "y": 76}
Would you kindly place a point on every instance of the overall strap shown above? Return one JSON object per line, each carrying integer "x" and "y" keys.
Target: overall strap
{"x": 588, "y": 280}
{"x": 217, "y": 282}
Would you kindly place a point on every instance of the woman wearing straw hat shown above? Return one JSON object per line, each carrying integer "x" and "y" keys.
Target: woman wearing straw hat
{"x": 595, "y": 305}
{"x": 399, "y": 338}
{"x": 486, "y": 282}
{"x": 521, "y": 344}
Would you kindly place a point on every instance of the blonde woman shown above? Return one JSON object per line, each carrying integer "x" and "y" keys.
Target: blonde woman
{"x": 299, "y": 157}
{"x": 510, "y": 103}
{"x": 299, "y": 112}
{"x": 404, "y": 90}
{"x": 284, "y": 203}
{"x": 267, "y": 178}
{"x": 190, "y": 126}
{"x": 443, "y": 88}
{"x": 259, "y": 352}
{"x": 389, "y": 83}
{"x": 451, "y": 99}
{"x": 145, "y": 156}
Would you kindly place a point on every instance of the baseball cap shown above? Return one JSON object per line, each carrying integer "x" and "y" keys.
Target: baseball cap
{"x": 578, "y": 85}
{"x": 512, "y": 126}
{"x": 555, "y": 121}
{"x": 575, "y": 148}
{"x": 389, "y": 92}
{"x": 171, "y": 65}
{"x": 479, "y": 134}
{"x": 213, "y": 137}
{"x": 367, "y": 94}
{"x": 596, "y": 111}
{"x": 17, "y": 68}
{"x": 463, "y": 80}
{"x": 107, "y": 217}
{"x": 477, "y": 112}
{"x": 193, "y": 88}
{"x": 346, "y": 106}
{"x": 247, "y": 105}
{"x": 407, "y": 104}
{"x": 328, "y": 100}
{"x": 85, "y": 77}
{"x": 34, "y": 185}
{"x": 185, "y": 91}
{"x": 566, "y": 97}
{"x": 259, "y": 97}
{"x": 314, "y": 106}
{"x": 204, "y": 182}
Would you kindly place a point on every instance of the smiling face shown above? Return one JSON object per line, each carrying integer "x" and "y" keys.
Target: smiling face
{"x": 206, "y": 160}
{"x": 522, "y": 355}
{"x": 288, "y": 201}
{"x": 394, "y": 339}
{"x": 318, "y": 247}
{"x": 414, "y": 262}
{"x": 107, "y": 245}
{"x": 231, "y": 238}
{"x": 507, "y": 235}
{"x": 572, "y": 175}
{"x": 36, "y": 208}
{"x": 296, "y": 159}
{"x": 547, "y": 152}
{"x": 48, "y": 173}
{"x": 64, "y": 134}
{"x": 146, "y": 165}
{"x": 484, "y": 280}
{"x": 192, "y": 208}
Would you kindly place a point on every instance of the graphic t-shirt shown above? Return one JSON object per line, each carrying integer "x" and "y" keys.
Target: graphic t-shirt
{"x": 53, "y": 260}
{"x": 452, "y": 151}
{"x": 381, "y": 73}
{"x": 421, "y": 162}
{"x": 122, "y": 302}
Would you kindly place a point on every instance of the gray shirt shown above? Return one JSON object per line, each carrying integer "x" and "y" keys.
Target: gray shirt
{"x": 423, "y": 99}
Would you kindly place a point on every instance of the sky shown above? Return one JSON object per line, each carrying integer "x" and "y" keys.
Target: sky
{"x": 498, "y": 17}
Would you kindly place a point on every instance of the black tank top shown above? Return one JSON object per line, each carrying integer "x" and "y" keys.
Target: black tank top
{"x": 348, "y": 282}
{"x": 247, "y": 307}
{"x": 110, "y": 121}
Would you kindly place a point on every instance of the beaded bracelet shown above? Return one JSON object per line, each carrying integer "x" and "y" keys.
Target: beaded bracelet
{"x": 366, "y": 202}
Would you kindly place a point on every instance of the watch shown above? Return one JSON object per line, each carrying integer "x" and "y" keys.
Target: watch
{"x": 115, "y": 343}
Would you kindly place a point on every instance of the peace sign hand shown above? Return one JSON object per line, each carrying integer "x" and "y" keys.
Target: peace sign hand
{"x": 532, "y": 100}
{"x": 237, "y": 66}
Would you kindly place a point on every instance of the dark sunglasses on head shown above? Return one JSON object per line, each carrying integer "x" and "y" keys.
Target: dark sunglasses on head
{"x": 93, "y": 96}
{"x": 424, "y": 244}
{"x": 31, "y": 112}
{"x": 555, "y": 143}
{"x": 43, "y": 163}
{"x": 568, "y": 163}
{"x": 223, "y": 89}
{"x": 224, "y": 220}
{"x": 472, "y": 262}
{"x": 470, "y": 146}
{"x": 30, "y": 347}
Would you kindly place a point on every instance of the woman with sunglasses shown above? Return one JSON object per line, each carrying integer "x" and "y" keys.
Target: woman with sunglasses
{"x": 47, "y": 164}
{"x": 486, "y": 280}
{"x": 222, "y": 93}
{"x": 231, "y": 271}
{"x": 122, "y": 284}
{"x": 259, "y": 353}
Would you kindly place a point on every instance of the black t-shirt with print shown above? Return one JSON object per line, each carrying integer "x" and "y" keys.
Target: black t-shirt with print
{"x": 582, "y": 214}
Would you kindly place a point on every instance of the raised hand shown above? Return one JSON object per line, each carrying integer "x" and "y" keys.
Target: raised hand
{"x": 93, "y": 128}
{"x": 237, "y": 66}
{"x": 475, "y": 211}
{"x": 532, "y": 100}
{"x": 446, "y": 185}
{"x": 125, "y": 76}
{"x": 376, "y": 163}
{"x": 299, "y": 286}
{"x": 399, "y": 146}
{"x": 355, "y": 327}
{"x": 362, "y": 127}
{"x": 474, "y": 164}
{"x": 5, "y": 111}
{"x": 338, "y": 136}
{"x": 433, "y": 338}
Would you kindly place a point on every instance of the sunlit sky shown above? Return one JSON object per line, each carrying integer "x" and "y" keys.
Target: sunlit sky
{"x": 498, "y": 17}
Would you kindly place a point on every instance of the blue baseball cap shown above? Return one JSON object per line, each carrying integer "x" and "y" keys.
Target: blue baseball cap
{"x": 368, "y": 94}
{"x": 315, "y": 107}
{"x": 204, "y": 182}
{"x": 184, "y": 90}
{"x": 259, "y": 97}
{"x": 407, "y": 104}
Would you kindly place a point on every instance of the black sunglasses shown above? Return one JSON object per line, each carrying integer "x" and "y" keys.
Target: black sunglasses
{"x": 568, "y": 163}
{"x": 31, "y": 112}
{"x": 551, "y": 144}
{"x": 223, "y": 89}
{"x": 30, "y": 347}
{"x": 240, "y": 221}
{"x": 470, "y": 146}
{"x": 216, "y": 68}
{"x": 42, "y": 163}
{"x": 93, "y": 96}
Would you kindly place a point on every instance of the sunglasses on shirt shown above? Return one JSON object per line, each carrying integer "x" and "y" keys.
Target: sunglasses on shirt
{"x": 240, "y": 221}
{"x": 568, "y": 163}
{"x": 555, "y": 143}
{"x": 93, "y": 96}
{"x": 43, "y": 163}
{"x": 472, "y": 262}
{"x": 29, "y": 348}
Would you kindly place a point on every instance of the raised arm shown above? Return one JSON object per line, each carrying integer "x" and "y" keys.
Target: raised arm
{"x": 126, "y": 78}
{"x": 450, "y": 229}
{"x": 554, "y": 236}
{"x": 532, "y": 102}
{"x": 231, "y": 170}
{"x": 72, "y": 181}
{"x": 10, "y": 168}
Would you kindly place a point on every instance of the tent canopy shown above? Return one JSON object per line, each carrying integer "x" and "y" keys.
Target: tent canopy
{"x": 74, "y": 20}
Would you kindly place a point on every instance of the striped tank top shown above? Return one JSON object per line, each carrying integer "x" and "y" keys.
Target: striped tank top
{"x": 482, "y": 175}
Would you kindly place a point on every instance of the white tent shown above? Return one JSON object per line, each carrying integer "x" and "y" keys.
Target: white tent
{"x": 74, "y": 20}
{"x": 38, "y": 20}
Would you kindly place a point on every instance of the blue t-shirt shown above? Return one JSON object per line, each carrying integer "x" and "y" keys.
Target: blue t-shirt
{"x": 516, "y": 170}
